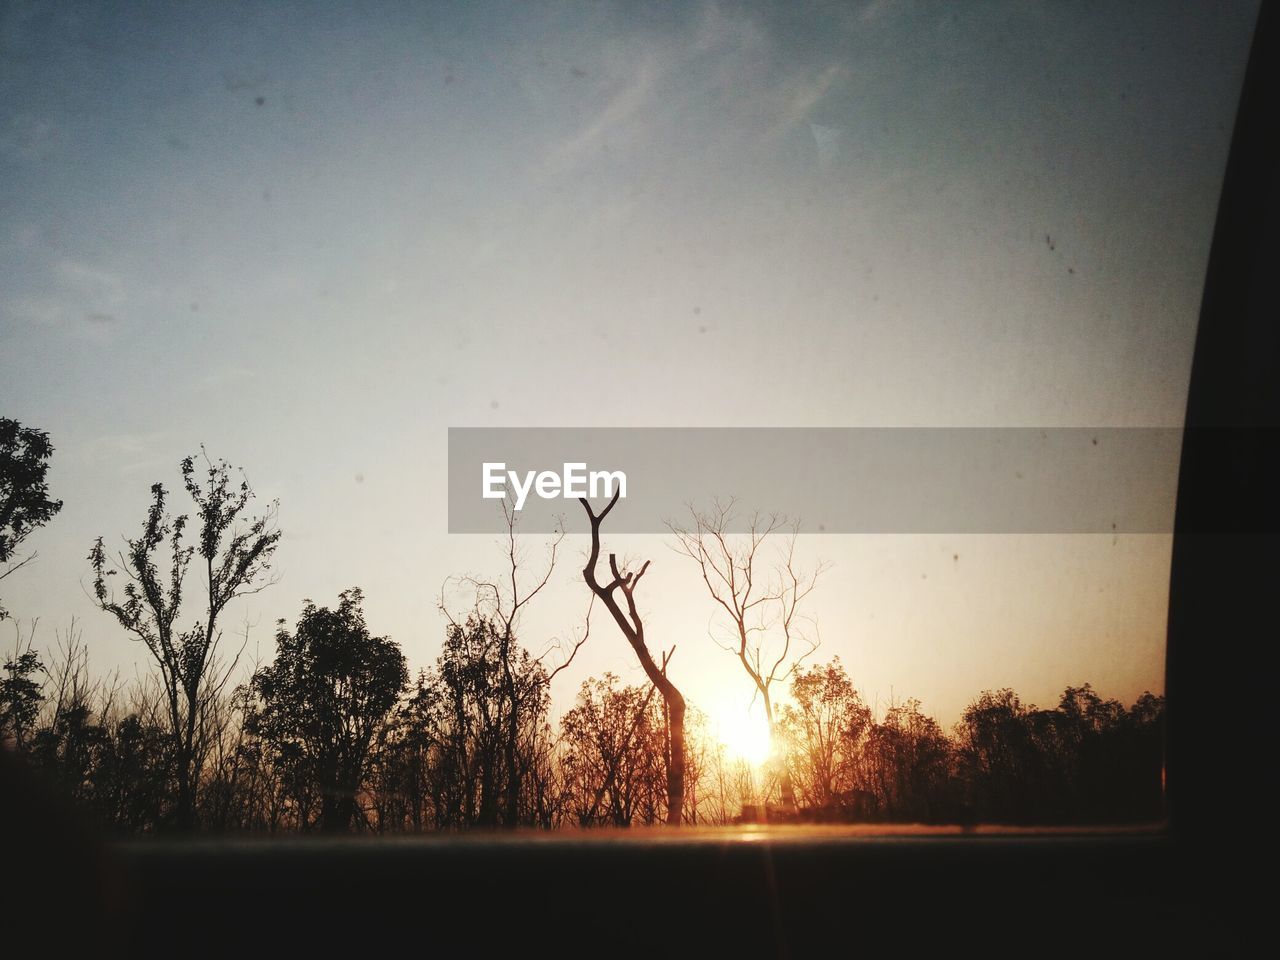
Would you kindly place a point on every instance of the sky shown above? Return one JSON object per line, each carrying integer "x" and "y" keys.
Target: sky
{"x": 313, "y": 238}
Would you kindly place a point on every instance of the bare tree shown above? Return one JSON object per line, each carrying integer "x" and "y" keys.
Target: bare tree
{"x": 632, "y": 627}
{"x": 611, "y": 752}
{"x": 224, "y": 744}
{"x": 233, "y": 559}
{"x": 502, "y": 601}
{"x": 768, "y": 637}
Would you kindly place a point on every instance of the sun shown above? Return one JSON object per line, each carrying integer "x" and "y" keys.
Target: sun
{"x": 745, "y": 735}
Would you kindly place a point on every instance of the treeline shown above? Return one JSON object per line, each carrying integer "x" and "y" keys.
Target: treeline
{"x": 331, "y": 737}
{"x": 1087, "y": 760}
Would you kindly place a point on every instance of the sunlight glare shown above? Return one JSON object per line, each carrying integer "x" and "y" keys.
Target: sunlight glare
{"x": 745, "y": 735}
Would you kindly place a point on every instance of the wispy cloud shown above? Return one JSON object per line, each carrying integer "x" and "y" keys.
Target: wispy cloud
{"x": 606, "y": 123}
{"x": 796, "y": 97}
{"x": 760, "y": 91}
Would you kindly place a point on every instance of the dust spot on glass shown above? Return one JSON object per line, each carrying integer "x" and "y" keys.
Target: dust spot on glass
{"x": 493, "y": 404}
{"x": 259, "y": 100}
{"x": 359, "y": 478}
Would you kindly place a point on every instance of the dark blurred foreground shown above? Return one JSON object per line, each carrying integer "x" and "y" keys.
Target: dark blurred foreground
{"x": 773, "y": 891}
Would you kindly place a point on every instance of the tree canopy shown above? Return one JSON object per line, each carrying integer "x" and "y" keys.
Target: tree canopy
{"x": 329, "y": 690}
{"x": 25, "y": 504}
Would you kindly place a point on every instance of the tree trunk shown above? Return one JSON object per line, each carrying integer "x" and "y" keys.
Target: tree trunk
{"x": 632, "y": 628}
{"x": 511, "y": 745}
{"x": 337, "y": 810}
{"x": 675, "y": 769}
{"x": 784, "y": 775}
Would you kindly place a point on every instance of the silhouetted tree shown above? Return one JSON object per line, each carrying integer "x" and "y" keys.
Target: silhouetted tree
{"x": 632, "y": 627}
{"x": 463, "y": 709}
{"x": 612, "y": 754}
{"x": 500, "y": 603}
{"x": 1142, "y": 748}
{"x": 908, "y": 766}
{"x": 826, "y": 729}
{"x": 1087, "y": 760}
{"x": 131, "y": 772}
{"x": 998, "y": 755}
{"x": 238, "y": 775}
{"x": 1107, "y": 759}
{"x": 111, "y": 758}
{"x": 21, "y": 694}
{"x": 68, "y": 741}
{"x": 399, "y": 766}
{"x": 699, "y": 753}
{"x": 233, "y": 559}
{"x": 766, "y": 633}
{"x": 322, "y": 701}
{"x": 24, "y": 491}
